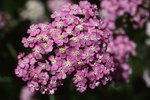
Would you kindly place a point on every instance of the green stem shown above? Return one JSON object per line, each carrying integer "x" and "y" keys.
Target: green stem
{"x": 12, "y": 50}
{"x": 51, "y": 97}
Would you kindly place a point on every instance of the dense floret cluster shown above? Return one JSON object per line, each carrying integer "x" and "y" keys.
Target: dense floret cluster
{"x": 73, "y": 45}
{"x": 119, "y": 8}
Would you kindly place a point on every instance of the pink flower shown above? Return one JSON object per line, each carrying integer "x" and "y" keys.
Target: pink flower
{"x": 43, "y": 78}
{"x": 34, "y": 30}
{"x": 70, "y": 45}
{"x": 120, "y": 8}
{"x": 80, "y": 79}
{"x": 121, "y": 48}
{"x": 48, "y": 47}
{"x": 33, "y": 86}
{"x": 55, "y": 62}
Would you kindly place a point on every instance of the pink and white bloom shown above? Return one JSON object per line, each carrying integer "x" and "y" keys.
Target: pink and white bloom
{"x": 74, "y": 44}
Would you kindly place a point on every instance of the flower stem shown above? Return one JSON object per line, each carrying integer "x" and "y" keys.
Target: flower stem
{"x": 51, "y": 97}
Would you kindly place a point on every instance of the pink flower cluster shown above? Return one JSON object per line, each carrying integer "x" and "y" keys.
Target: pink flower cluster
{"x": 118, "y": 8}
{"x": 73, "y": 45}
{"x": 121, "y": 48}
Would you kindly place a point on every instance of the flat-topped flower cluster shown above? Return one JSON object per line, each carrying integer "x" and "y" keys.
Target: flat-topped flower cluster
{"x": 118, "y": 8}
{"x": 73, "y": 45}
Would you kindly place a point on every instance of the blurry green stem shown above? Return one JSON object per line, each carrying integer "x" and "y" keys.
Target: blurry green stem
{"x": 51, "y": 97}
{"x": 12, "y": 50}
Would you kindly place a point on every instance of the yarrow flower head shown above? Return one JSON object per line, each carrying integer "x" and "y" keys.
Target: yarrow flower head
{"x": 73, "y": 45}
{"x": 119, "y": 8}
{"x": 121, "y": 48}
